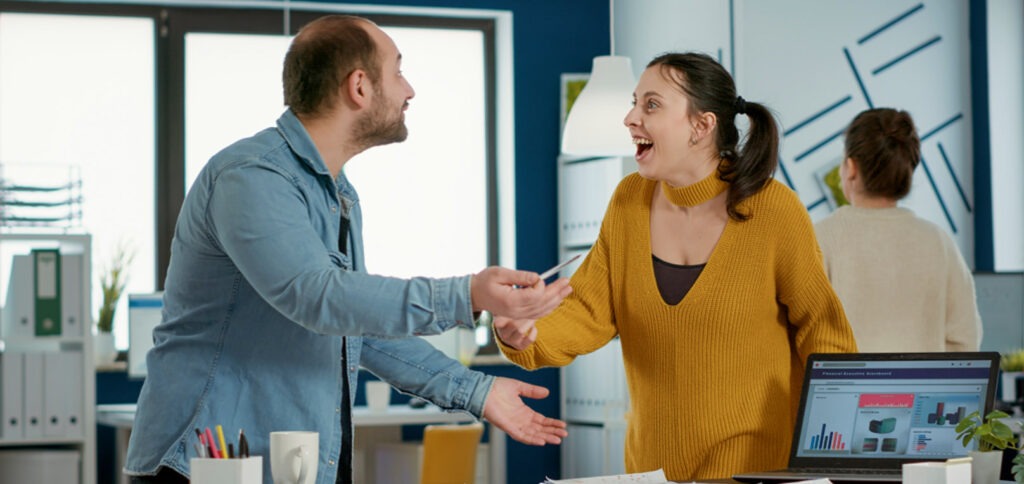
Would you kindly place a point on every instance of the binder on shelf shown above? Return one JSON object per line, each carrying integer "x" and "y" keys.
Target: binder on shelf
{"x": 46, "y": 266}
{"x": 12, "y": 376}
{"x": 54, "y": 392}
{"x": 72, "y": 295}
{"x": 33, "y": 386}
{"x": 19, "y": 311}
{"x": 73, "y": 403}
{"x": 584, "y": 191}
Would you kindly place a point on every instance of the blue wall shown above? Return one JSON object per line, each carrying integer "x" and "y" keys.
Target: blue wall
{"x": 550, "y": 37}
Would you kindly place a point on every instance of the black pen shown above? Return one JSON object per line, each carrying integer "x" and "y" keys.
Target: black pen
{"x": 243, "y": 445}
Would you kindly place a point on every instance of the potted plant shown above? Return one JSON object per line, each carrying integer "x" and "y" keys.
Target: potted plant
{"x": 1012, "y": 366}
{"x": 992, "y": 437}
{"x": 1018, "y": 468}
{"x": 112, "y": 282}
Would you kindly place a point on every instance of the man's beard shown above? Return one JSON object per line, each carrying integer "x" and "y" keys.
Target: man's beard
{"x": 378, "y": 128}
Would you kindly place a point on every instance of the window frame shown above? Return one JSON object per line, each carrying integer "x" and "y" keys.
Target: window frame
{"x": 174, "y": 22}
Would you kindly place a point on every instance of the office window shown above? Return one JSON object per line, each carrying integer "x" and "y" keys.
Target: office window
{"x": 425, "y": 200}
{"x": 140, "y": 95}
{"x": 76, "y": 98}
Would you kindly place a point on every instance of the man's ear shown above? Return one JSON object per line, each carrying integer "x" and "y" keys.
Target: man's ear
{"x": 704, "y": 124}
{"x": 358, "y": 88}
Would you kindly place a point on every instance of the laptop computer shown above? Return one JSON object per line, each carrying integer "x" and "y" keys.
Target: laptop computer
{"x": 862, "y": 416}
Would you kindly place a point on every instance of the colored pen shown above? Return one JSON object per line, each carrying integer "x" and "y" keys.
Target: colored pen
{"x": 213, "y": 446}
{"x": 231, "y": 451}
{"x": 223, "y": 447}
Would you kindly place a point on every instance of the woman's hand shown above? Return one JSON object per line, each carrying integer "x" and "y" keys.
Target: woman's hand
{"x": 517, "y": 333}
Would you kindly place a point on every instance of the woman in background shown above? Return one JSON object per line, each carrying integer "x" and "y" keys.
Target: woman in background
{"x": 896, "y": 273}
{"x": 708, "y": 271}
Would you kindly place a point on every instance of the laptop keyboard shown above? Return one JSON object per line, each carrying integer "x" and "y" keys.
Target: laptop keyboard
{"x": 856, "y": 472}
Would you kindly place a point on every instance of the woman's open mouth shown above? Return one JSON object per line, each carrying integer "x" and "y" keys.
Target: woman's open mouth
{"x": 643, "y": 145}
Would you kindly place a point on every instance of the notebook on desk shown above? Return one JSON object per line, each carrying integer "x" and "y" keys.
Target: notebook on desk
{"x": 862, "y": 416}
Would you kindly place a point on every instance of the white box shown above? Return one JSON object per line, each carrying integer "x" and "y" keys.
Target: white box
{"x": 49, "y": 466}
{"x": 937, "y": 473}
{"x": 227, "y": 471}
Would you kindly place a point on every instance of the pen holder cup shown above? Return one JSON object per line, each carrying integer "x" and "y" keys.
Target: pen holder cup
{"x": 227, "y": 471}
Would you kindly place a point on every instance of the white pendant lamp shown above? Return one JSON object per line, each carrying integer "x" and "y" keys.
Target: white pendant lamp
{"x": 594, "y": 125}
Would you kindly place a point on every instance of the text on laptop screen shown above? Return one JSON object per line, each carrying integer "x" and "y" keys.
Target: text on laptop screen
{"x": 897, "y": 409}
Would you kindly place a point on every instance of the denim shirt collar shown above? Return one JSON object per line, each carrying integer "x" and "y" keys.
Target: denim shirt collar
{"x": 295, "y": 134}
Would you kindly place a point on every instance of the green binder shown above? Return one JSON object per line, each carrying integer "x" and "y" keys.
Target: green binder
{"x": 46, "y": 272}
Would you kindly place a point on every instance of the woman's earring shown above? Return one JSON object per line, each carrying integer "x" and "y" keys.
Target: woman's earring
{"x": 693, "y": 141}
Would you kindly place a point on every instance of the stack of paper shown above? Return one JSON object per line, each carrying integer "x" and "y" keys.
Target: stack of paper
{"x": 653, "y": 477}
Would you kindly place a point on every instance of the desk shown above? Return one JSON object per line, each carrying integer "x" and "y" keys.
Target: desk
{"x": 370, "y": 427}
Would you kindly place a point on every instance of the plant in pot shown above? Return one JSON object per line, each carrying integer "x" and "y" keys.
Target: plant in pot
{"x": 112, "y": 282}
{"x": 992, "y": 436}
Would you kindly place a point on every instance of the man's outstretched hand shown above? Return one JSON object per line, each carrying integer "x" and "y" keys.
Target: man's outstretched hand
{"x": 505, "y": 409}
{"x": 516, "y": 294}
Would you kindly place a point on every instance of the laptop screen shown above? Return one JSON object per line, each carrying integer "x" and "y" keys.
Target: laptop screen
{"x": 876, "y": 406}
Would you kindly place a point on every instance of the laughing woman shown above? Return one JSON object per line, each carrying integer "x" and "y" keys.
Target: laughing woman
{"x": 708, "y": 271}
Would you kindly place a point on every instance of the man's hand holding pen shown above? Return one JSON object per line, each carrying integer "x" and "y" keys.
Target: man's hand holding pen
{"x": 516, "y": 294}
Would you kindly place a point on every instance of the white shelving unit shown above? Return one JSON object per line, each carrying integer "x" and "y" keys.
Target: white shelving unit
{"x": 594, "y": 393}
{"x": 49, "y": 415}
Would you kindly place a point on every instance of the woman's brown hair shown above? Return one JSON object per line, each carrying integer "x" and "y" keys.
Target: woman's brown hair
{"x": 883, "y": 143}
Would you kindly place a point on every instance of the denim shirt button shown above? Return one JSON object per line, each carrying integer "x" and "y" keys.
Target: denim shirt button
{"x": 337, "y": 409}
{"x": 334, "y": 208}
{"x": 330, "y": 462}
{"x": 351, "y": 368}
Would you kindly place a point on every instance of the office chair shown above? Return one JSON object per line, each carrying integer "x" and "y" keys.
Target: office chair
{"x": 449, "y": 453}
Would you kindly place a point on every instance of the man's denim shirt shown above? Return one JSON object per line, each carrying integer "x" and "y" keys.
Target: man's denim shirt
{"x": 259, "y": 301}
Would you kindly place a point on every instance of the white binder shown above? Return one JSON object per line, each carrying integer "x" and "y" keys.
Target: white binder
{"x": 12, "y": 374}
{"x": 33, "y": 386}
{"x": 55, "y": 391}
{"x": 71, "y": 295}
{"x": 19, "y": 313}
{"x": 73, "y": 408}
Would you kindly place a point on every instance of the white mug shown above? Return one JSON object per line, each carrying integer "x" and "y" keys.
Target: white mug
{"x": 294, "y": 457}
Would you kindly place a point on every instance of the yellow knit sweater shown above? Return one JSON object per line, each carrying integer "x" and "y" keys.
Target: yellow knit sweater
{"x": 714, "y": 380}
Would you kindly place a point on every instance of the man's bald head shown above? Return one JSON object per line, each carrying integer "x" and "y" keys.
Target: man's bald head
{"x": 324, "y": 53}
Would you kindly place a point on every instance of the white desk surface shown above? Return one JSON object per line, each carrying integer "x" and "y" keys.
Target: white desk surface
{"x": 122, "y": 415}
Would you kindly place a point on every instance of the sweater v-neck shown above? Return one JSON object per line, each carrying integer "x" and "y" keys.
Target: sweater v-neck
{"x": 650, "y": 283}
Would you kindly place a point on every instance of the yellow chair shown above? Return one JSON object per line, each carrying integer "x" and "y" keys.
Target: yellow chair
{"x": 449, "y": 453}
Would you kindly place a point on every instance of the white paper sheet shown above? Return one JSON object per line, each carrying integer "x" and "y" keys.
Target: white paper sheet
{"x": 653, "y": 477}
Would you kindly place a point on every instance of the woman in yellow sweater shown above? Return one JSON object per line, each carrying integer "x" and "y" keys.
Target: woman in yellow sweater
{"x": 708, "y": 271}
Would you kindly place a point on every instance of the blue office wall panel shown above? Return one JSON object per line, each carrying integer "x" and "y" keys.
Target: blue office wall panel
{"x": 839, "y": 58}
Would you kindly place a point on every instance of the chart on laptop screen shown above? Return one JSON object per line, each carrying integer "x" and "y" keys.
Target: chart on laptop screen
{"x": 897, "y": 409}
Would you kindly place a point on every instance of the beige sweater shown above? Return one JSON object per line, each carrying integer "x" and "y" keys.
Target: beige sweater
{"x": 904, "y": 285}
{"x": 713, "y": 380}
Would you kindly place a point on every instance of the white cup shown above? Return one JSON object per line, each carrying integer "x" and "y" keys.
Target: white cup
{"x": 294, "y": 456}
{"x": 227, "y": 471}
{"x": 378, "y": 395}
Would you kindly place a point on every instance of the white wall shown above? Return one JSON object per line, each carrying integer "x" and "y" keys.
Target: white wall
{"x": 647, "y": 28}
{"x": 1006, "y": 117}
{"x": 803, "y": 57}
